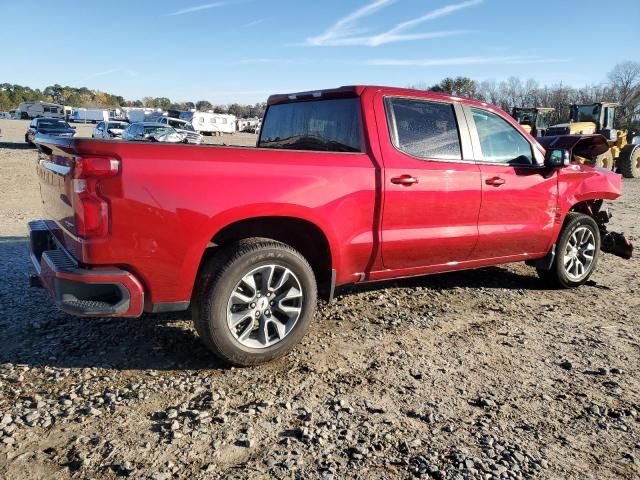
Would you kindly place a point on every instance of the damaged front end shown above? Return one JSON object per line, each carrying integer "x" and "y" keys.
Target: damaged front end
{"x": 611, "y": 242}
{"x": 585, "y": 188}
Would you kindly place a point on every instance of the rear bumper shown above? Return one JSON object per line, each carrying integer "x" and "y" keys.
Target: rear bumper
{"x": 109, "y": 292}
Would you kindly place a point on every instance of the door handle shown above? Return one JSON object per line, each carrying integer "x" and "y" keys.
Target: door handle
{"x": 495, "y": 181}
{"x": 405, "y": 180}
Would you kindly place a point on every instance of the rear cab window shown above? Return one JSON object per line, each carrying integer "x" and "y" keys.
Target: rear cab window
{"x": 424, "y": 129}
{"x": 331, "y": 125}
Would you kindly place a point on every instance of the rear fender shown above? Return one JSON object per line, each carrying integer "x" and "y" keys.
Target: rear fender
{"x": 195, "y": 252}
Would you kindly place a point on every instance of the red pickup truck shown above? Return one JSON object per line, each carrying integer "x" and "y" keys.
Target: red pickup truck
{"x": 350, "y": 185}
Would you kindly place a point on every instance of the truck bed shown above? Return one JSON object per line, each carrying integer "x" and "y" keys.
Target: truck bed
{"x": 168, "y": 202}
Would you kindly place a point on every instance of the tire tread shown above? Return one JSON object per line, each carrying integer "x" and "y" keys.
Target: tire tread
{"x": 213, "y": 272}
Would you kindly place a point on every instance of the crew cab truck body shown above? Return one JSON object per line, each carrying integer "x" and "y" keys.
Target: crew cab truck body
{"x": 349, "y": 185}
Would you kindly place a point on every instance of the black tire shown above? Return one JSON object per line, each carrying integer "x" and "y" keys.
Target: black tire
{"x": 557, "y": 275}
{"x": 629, "y": 161}
{"x": 219, "y": 278}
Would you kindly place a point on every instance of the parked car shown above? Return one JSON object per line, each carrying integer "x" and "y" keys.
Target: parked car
{"x": 152, "y": 132}
{"x": 109, "y": 130}
{"x": 346, "y": 186}
{"x": 48, "y": 126}
{"x": 183, "y": 127}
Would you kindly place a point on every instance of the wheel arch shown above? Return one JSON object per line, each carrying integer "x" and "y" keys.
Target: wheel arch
{"x": 302, "y": 234}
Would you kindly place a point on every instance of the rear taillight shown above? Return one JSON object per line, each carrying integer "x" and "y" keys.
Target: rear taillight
{"x": 91, "y": 208}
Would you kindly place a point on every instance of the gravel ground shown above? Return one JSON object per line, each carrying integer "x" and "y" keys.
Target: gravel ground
{"x": 482, "y": 374}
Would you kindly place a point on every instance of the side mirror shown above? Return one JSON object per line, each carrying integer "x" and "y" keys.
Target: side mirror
{"x": 557, "y": 158}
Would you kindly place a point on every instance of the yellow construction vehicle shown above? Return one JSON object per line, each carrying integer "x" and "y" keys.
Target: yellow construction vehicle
{"x": 598, "y": 118}
{"x": 534, "y": 120}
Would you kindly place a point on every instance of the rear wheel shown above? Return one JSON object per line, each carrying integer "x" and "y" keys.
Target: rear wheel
{"x": 254, "y": 302}
{"x": 629, "y": 161}
{"x": 577, "y": 253}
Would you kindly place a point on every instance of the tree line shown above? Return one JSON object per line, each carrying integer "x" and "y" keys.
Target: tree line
{"x": 622, "y": 86}
{"x": 11, "y": 95}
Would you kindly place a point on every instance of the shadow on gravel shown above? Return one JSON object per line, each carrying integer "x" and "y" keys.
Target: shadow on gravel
{"x": 489, "y": 277}
{"x": 36, "y": 334}
{"x": 17, "y": 146}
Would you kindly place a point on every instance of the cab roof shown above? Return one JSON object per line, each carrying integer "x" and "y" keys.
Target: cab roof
{"x": 358, "y": 90}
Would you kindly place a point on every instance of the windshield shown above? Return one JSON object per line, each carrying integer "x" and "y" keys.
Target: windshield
{"x": 118, "y": 125}
{"x": 543, "y": 120}
{"x": 158, "y": 130}
{"x": 54, "y": 124}
{"x": 180, "y": 125}
{"x": 524, "y": 117}
{"x": 586, "y": 113}
{"x": 323, "y": 125}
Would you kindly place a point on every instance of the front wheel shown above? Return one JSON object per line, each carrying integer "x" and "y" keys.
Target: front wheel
{"x": 577, "y": 253}
{"x": 254, "y": 301}
{"x": 629, "y": 161}
{"x": 605, "y": 160}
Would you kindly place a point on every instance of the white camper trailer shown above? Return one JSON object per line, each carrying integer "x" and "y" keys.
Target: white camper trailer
{"x": 29, "y": 110}
{"x": 248, "y": 124}
{"x": 209, "y": 123}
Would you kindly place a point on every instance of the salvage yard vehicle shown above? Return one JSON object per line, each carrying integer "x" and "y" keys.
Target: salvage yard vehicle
{"x": 599, "y": 119}
{"x": 534, "y": 120}
{"x": 349, "y": 185}
{"x": 152, "y": 132}
{"x": 89, "y": 115}
{"x": 109, "y": 129}
{"x": 183, "y": 127}
{"x": 48, "y": 126}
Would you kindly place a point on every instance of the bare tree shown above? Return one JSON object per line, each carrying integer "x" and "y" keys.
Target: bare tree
{"x": 625, "y": 83}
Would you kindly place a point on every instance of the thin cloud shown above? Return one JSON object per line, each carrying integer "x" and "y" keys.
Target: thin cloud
{"x": 346, "y": 32}
{"x": 480, "y": 60}
{"x": 198, "y": 8}
{"x": 255, "y": 22}
{"x": 279, "y": 61}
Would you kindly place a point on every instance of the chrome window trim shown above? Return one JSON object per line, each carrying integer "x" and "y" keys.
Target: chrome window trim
{"x": 464, "y": 137}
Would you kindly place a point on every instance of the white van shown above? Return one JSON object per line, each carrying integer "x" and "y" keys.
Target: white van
{"x": 209, "y": 123}
{"x": 88, "y": 115}
{"x": 141, "y": 114}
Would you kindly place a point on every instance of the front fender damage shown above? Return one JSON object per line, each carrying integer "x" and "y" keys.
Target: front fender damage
{"x": 583, "y": 189}
{"x": 611, "y": 242}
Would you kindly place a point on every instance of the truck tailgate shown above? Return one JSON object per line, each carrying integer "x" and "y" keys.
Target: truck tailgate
{"x": 54, "y": 169}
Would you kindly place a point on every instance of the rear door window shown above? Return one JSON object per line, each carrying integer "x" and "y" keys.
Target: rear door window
{"x": 322, "y": 125}
{"x": 424, "y": 129}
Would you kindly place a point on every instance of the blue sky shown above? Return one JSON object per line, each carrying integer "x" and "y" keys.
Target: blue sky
{"x": 243, "y": 50}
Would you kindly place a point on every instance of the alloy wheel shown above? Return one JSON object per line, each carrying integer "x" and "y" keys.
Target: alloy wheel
{"x": 264, "y": 306}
